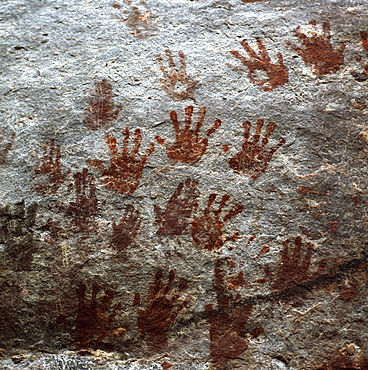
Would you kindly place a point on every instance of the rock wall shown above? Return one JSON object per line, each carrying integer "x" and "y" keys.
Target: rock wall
{"x": 183, "y": 184}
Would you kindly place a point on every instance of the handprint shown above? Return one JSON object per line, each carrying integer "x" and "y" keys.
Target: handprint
{"x": 162, "y": 310}
{"x": 141, "y": 23}
{"x": 294, "y": 269}
{"x": 49, "y": 167}
{"x": 363, "y": 76}
{"x": 277, "y": 73}
{"x": 93, "y": 322}
{"x": 16, "y": 232}
{"x": 254, "y": 158}
{"x": 175, "y": 219}
{"x": 126, "y": 230}
{"x": 227, "y": 322}
{"x": 189, "y": 146}
{"x": 4, "y": 152}
{"x": 125, "y": 169}
{"x": 317, "y": 51}
{"x": 85, "y": 208}
{"x": 207, "y": 230}
{"x": 101, "y": 110}
{"x": 176, "y": 81}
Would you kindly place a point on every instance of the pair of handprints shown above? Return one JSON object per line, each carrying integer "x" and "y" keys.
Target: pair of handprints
{"x": 96, "y": 312}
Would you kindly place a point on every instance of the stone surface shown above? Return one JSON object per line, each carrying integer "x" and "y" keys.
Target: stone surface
{"x": 183, "y": 184}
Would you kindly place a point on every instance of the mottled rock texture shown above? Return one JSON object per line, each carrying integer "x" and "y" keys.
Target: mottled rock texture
{"x": 183, "y": 184}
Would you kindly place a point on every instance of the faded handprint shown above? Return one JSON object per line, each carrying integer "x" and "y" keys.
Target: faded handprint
{"x": 189, "y": 146}
{"x": 4, "y": 152}
{"x": 317, "y": 51}
{"x": 49, "y": 167}
{"x": 207, "y": 229}
{"x": 253, "y": 159}
{"x": 176, "y": 81}
{"x": 126, "y": 230}
{"x": 17, "y": 233}
{"x": 142, "y": 24}
{"x": 125, "y": 169}
{"x": 101, "y": 111}
{"x": 93, "y": 322}
{"x": 363, "y": 76}
{"x": 294, "y": 269}
{"x": 85, "y": 208}
{"x": 175, "y": 219}
{"x": 227, "y": 322}
{"x": 164, "y": 305}
{"x": 276, "y": 73}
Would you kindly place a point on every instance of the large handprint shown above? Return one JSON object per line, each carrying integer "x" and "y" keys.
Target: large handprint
{"x": 162, "y": 310}
{"x": 175, "y": 219}
{"x": 317, "y": 51}
{"x": 189, "y": 146}
{"x": 254, "y": 158}
{"x": 294, "y": 269}
{"x": 176, "y": 81}
{"x": 207, "y": 230}
{"x": 277, "y": 73}
{"x": 125, "y": 170}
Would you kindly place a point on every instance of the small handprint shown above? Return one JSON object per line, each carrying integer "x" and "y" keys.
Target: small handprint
{"x": 189, "y": 146}
{"x": 4, "y": 152}
{"x": 227, "y": 322}
{"x": 125, "y": 169}
{"x": 176, "y": 81}
{"x": 101, "y": 111}
{"x": 277, "y": 73}
{"x": 294, "y": 269}
{"x": 49, "y": 167}
{"x": 142, "y": 24}
{"x": 93, "y": 322}
{"x": 207, "y": 229}
{"x": 363, "y": 76}
{"x": 85, "y": 208}
{"x": 253, "y": 159}
{"x": 175, "y": 219}
{"x": 318, "y": 52}
{"x": 162, "y": 311}
{"x": 126, "y": 230}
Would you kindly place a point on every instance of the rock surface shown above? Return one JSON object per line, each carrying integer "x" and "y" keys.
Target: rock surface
{"x": 183, "y": 184}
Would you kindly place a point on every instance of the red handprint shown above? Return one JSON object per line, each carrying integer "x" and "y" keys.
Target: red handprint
{"x": 126, "y": 230}
{"x": 162, "y": 311}
{"x": 227, "y": 322}
{"x": 294, "y": 269}
{"x": 317, "y": 51}
{"x": 49, "y": 167}
{"x": 189, "y": 146}
{"x": 207, "y": 230}
{"x": 254, "y": 158}
{"x": 125, "y": 169}
{"x": 363, "y": 76}
{"x": 175, "y": 219}
{"x": 277, "y": 73}
{"x": 85, "y": 208}
{"x": 93, "y": 322}
{"x": 176, "y": 82}
{"x": 4, "y": 152}
{"x": 101, "y": 111}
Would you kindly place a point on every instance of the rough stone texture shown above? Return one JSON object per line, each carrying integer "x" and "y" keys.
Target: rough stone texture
{"x": 183, "y": 184}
